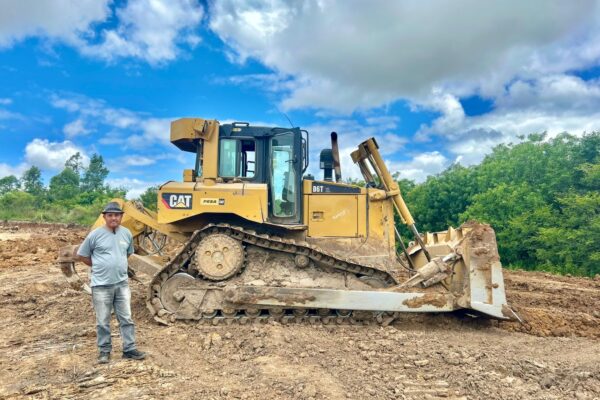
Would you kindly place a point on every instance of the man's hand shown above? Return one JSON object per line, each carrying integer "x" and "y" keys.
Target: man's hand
{"x": 86, "y": 260}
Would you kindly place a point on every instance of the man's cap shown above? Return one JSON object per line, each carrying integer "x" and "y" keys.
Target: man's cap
{"x": 112, "y": 207}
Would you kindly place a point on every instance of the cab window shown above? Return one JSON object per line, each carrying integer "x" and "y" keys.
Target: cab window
{"x": 283, "y": 176}
{"x": 237, "y": 158}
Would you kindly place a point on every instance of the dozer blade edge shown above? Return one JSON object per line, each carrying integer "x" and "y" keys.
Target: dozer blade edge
{"x": 361, "y": 300}
{"x": 466, "y": 262}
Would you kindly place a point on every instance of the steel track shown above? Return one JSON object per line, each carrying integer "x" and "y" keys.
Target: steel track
{"x": 321, "y": 258}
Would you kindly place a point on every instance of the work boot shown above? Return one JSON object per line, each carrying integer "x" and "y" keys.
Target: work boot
{"x": 103, "y": 358}
{"x": 134, "y": 354}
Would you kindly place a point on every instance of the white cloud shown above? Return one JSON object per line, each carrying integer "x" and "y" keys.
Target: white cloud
{"x": 70, "y": 104}
{"x": 48, "y": 155}
{"x": 551, "y": 104}
{"x": 139, "y": 161}
{"x": 64, "y": 20}
{"x": 112, "y": 138}
{"x": 6, "y": 170}
{"x": 349, "y": 55}
{"x": 5, "y": 114}
{"x": 420, "y": 166}
{"x": 270, "y": 82}
{"x": 129, "y": 128}
{"x": 136, "y": 160}
{"x": 75, "y": 128}
{"x": 555, "y": 93}
{"x": 135, "y": 187}
{"x": 150, "y": 30}
{"x": 153, "y": 130}
{"x": 93, "y": 108}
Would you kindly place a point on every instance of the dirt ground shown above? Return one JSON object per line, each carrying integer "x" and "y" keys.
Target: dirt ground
{"x": 47, "y": 344}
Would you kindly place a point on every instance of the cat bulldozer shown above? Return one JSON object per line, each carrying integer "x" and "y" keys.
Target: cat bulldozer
{"x": 260, "y": 239}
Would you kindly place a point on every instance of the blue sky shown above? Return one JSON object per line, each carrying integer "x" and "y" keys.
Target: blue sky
{"x": 435, "y": 82}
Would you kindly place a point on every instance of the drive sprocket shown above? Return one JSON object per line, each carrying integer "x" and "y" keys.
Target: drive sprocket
{"x": 219, "y": 257}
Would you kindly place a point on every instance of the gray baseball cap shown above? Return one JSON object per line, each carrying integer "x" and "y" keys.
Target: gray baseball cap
{"x": 112, "y": 207}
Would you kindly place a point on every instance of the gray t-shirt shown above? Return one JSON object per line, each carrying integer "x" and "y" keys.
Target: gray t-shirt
{"x": 109, "y": 252}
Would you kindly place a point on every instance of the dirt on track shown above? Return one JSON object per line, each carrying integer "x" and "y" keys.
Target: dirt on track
{"x": 47, "y": 344}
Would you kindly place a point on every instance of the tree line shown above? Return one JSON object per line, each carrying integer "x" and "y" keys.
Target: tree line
{"x": 542, "y": 197}
{"x": 76, "y": 194}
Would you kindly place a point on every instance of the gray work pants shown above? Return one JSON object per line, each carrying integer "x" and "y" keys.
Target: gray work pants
{"x": 105, "y": 298}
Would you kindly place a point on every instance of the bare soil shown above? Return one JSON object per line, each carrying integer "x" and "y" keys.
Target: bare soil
{"x": 47, "y": 344}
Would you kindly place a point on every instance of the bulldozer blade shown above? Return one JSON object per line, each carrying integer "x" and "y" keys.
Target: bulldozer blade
{"x": 67, "y": 256}
{"x": 475, "y": 275}
{"x": 147, "y": 265}
{"x": 73, "y": 278}
{"x": 486, "y": 284}
{"x": 340, "y": 299}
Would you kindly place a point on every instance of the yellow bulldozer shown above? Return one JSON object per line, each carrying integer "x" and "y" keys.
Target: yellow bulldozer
{"x": 259, "y": 239}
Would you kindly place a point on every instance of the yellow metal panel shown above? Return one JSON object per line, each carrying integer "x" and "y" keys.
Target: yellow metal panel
{"x": 362, "y": 215}
{"x": 388, "y": 218}
{"x": 381, "y": 222}
{"x": 193, "y": 128}
{"x": 360, "y": 200}
{"x": 210, "y": 155}
{"x": 305, "y": 218}
{"x": 178, "y": 201}
{"x": 307, "y": 187}
{"x": 188, "y": 175}
{"x": 376, "y": 224}
{"x": 185, "y": 132}
{"x": 333, "y": 215}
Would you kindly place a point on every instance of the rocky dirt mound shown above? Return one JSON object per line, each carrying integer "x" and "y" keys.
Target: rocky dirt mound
{"x": 47, "y": 345}
{"x": 553, "y": 305}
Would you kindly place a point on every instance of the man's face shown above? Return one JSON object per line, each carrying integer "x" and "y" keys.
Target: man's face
{"x": 113, "y": 220}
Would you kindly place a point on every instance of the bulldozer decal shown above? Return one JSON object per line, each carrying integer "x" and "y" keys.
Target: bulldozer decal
{"x": 177, "y": 201}
{"x": 322, "y": 187}
{"x": 212, "y": 202}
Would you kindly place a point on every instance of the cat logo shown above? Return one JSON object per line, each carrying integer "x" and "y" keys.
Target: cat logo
{"x": 177, "y": 201}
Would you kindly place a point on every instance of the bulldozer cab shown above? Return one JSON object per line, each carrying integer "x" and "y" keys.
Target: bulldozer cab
{"x": 241, "y": 153}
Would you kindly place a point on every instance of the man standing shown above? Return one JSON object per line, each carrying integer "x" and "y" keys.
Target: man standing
{"x": 106, "y": 250}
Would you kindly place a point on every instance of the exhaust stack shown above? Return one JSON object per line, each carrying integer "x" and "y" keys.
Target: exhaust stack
{"x": 335, "y": 152}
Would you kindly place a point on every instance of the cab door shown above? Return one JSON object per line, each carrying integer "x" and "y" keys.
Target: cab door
{"x": 284, "y": 178}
